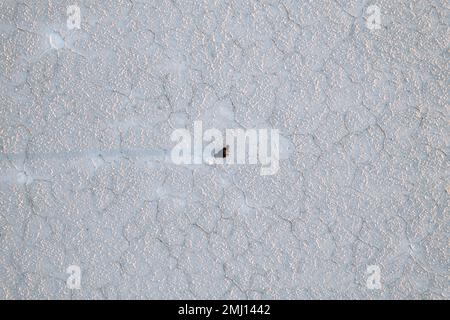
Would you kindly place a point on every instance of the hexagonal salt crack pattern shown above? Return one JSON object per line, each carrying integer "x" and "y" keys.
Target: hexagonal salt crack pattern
{"x": 86, "y": 178}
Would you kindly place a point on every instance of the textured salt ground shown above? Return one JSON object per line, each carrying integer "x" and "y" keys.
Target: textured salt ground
{"x": 85, "y": 123}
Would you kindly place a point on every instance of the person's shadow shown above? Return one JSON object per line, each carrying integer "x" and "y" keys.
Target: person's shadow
{"x": 222, "y": 153}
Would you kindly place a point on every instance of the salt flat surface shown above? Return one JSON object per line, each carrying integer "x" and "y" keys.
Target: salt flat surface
{"x": 86, "y": 177}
